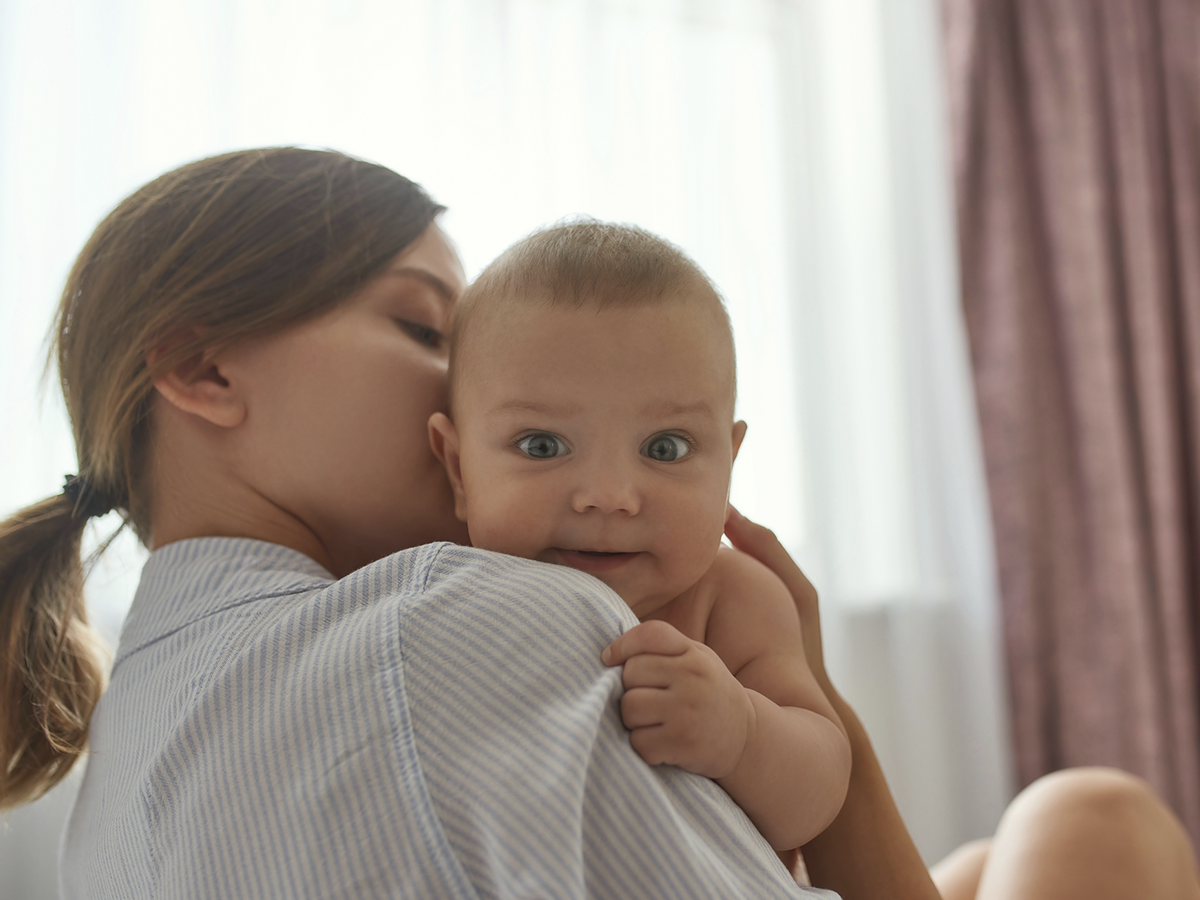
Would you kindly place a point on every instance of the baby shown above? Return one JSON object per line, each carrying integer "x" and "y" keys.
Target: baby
{"x": 591, "y": 393}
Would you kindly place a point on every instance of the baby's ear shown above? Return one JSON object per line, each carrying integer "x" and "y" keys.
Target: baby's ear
{"x": 443, "y": 438}
{"x": 739, "y": 433}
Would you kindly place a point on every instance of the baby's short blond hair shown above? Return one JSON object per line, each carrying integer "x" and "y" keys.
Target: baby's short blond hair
{"x": 584, "y": 263}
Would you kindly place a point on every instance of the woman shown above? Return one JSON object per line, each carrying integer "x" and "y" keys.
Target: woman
{"x": 250, "y": 348}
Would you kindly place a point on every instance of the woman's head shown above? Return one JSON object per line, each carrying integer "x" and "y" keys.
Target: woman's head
{"x": 314, "y": 436}
{"x": 206, "y": 257}
{"x": 239, "y": 281}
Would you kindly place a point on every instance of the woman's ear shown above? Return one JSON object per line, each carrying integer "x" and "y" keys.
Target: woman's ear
{"x": 443, "y": 438}
{"x": 200, "y": 387}
{"x": 739, "y": 434}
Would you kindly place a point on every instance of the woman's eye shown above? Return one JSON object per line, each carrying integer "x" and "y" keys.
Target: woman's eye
{"x": 666, "y": 448}
{"x": 542, "y": 446}
{"x": 422, "y": 334}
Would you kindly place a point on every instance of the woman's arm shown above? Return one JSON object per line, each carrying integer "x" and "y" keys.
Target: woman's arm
{"x": 867, "y": 852}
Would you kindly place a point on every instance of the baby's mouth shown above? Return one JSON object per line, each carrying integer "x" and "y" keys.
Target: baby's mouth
{"x": 595, "y": 561}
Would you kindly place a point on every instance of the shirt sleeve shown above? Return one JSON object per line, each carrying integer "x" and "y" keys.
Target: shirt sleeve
{"x": 528, "y": 766}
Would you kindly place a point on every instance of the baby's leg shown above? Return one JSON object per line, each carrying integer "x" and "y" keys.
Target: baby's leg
{"x": 1080, "y": 833}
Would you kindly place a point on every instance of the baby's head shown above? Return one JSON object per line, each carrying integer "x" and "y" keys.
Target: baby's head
{"x": 592, "y": 395}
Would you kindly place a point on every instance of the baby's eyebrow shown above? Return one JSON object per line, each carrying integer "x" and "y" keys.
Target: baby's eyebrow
{"x": 661, "y": 410}
{"x": 667, "y": 409}
{"x": 545, "y": 409}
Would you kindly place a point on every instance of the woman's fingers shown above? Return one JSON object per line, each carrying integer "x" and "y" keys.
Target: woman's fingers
{"x": 761, "y": 543}
{"x": 755, "y": 540}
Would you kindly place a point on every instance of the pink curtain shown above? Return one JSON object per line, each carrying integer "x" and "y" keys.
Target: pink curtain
{"x": 1077, "y": 149}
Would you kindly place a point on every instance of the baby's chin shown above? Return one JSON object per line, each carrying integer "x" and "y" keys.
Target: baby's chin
{"x": 632, "y": 576}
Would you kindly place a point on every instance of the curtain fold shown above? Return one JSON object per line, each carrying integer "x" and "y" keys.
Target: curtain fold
{"x": 1077, "y": 162}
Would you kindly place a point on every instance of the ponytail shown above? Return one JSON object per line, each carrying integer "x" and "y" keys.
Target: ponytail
{"x": 54, "y": 665}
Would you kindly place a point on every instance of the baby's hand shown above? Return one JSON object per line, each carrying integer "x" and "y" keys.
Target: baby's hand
{"x": 681, "y": 705}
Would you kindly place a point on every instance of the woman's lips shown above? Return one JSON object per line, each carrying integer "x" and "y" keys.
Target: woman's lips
{"x": 594, "y": 560}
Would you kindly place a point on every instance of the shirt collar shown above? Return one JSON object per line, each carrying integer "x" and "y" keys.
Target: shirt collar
{"x": 187, "y": 580}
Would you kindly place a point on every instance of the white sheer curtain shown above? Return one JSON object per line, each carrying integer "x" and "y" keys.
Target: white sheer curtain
{"x": 901, "y": 544}
{"x": 794, "y": 148}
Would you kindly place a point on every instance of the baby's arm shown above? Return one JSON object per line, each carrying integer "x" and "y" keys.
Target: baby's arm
{"x": 795, "y": 768}
{"x": 745, "y": 709}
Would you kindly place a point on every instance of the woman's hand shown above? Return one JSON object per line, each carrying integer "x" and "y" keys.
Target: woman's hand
{"x": 755, "y": 540}
{"x": 867, "y": 852}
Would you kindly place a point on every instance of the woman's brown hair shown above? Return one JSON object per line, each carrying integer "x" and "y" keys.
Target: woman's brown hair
{"x": 204, "y": 257}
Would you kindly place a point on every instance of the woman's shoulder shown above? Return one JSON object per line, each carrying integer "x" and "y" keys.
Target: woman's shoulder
{"x": 457, "y": 579}
{"x": 260, "y": 565}
{"x": 449, "y": 561}
{"x": 201, "y": 584}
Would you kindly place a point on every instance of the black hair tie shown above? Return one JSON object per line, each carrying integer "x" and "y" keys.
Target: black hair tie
{"x": 88, "y": 502}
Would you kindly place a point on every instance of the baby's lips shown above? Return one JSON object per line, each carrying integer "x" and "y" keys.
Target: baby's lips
{"x": 596, "y": 561}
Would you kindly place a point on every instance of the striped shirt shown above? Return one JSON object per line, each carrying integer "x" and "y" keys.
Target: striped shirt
{"x": 437, "y": 725}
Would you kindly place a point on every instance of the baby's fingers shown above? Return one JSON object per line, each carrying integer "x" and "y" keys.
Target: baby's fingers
{"x": 654, "y": 636}
{"x": 643, "y": 707}
{"x": 652, "y": 670}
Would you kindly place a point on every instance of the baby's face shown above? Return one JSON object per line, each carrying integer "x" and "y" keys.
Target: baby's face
{"x": 602, "y": 441}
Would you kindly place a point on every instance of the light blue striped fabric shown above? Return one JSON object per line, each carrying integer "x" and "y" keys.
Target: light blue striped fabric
{"x": 437, "y": 724}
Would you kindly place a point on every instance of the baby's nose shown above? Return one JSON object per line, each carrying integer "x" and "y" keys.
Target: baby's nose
{"x": 607, "y": 495}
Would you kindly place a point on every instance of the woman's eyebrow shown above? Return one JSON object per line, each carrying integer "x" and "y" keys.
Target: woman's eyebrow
{"x": 447, "y": 293}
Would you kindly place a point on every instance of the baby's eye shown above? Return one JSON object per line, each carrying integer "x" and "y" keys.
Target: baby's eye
{"x": 542, "y": 446}
{"x": 422, "y": 334}
{"x": 666, "y": 448}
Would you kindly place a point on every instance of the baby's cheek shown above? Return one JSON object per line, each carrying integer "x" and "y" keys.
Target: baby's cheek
{"x": 688, "y": 565}
{"x": 692, "y": 541}
{"x": 505, "y": 526}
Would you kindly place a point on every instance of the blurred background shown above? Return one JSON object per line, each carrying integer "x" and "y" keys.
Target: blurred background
{"x": 959, "y": 242}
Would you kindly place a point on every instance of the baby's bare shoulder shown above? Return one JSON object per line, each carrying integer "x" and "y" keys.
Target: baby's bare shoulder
{"x": 734, "y": 573}
{"x": 752, "y": 611}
